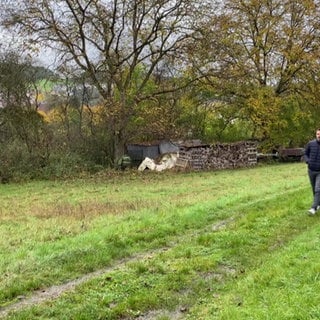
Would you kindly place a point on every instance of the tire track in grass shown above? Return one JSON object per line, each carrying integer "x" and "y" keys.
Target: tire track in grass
{"x": 54, "y": 292}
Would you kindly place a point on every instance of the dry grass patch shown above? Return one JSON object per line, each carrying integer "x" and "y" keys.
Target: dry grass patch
{"x": 86, "y": 210}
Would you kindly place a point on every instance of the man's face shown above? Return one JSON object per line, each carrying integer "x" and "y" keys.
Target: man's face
{"x": 318, "y": 135}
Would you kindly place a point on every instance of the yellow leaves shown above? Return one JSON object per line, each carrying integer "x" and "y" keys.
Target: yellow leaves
{"x": 93, "y": 114}
{"x": 263, "y": 103}
{"x": 43, "y": 115}
{"x": 263, "y": 109}
{"x": 40, "y": 97}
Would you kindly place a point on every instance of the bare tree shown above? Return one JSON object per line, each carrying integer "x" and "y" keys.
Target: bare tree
{"x": 119, "y": 44}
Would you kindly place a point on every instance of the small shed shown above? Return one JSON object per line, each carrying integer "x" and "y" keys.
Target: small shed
{"x": 139, "y": 151}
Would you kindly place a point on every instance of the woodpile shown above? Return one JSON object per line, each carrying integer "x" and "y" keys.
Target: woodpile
{"x": 217, "y": 156}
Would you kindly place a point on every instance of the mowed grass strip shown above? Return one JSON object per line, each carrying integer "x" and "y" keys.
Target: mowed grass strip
{"x": 230, "y": 270}
{"x": 46, "y": 241}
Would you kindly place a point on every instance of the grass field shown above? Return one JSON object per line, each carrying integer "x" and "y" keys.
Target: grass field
{"x": 208, "y": 245}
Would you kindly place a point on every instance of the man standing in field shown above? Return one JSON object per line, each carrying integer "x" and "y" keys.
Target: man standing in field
{"x": 312, "y": 158}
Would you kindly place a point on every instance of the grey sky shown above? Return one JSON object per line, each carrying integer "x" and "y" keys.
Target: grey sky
{"x": 10, "y": 41}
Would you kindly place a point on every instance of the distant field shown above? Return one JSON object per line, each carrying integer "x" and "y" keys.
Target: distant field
{"x": 207, "y": 245}
{"x": 46, "y": 85}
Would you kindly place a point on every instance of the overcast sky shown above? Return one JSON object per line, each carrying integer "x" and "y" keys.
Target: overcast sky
{"x": 44, "y": 57}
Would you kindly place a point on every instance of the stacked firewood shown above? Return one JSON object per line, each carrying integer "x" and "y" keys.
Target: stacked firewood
{"x": 219, "y": 156}
{"x": 234, "y": 155}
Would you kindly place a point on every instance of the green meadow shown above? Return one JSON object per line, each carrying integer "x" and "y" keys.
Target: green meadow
{"x": 234, "y": 244}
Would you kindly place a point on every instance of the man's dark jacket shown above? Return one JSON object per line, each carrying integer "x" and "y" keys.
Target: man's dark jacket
{"x": 312, "y": 155}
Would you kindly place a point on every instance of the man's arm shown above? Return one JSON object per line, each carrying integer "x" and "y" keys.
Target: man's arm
{"x": 307, "y": 153}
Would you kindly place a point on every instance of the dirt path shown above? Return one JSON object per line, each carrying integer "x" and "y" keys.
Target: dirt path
{"x": 54, "y": 292}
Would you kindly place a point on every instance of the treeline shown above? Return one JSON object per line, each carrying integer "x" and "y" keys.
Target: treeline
{"x": 149, "y": 70}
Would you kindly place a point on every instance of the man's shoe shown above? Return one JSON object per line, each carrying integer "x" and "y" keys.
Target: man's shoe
{"x": 312, "y": 211}
{"x": 318, "y": 207}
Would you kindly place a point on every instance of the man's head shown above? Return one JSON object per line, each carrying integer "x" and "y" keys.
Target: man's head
{"x": 318, "y": 134}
